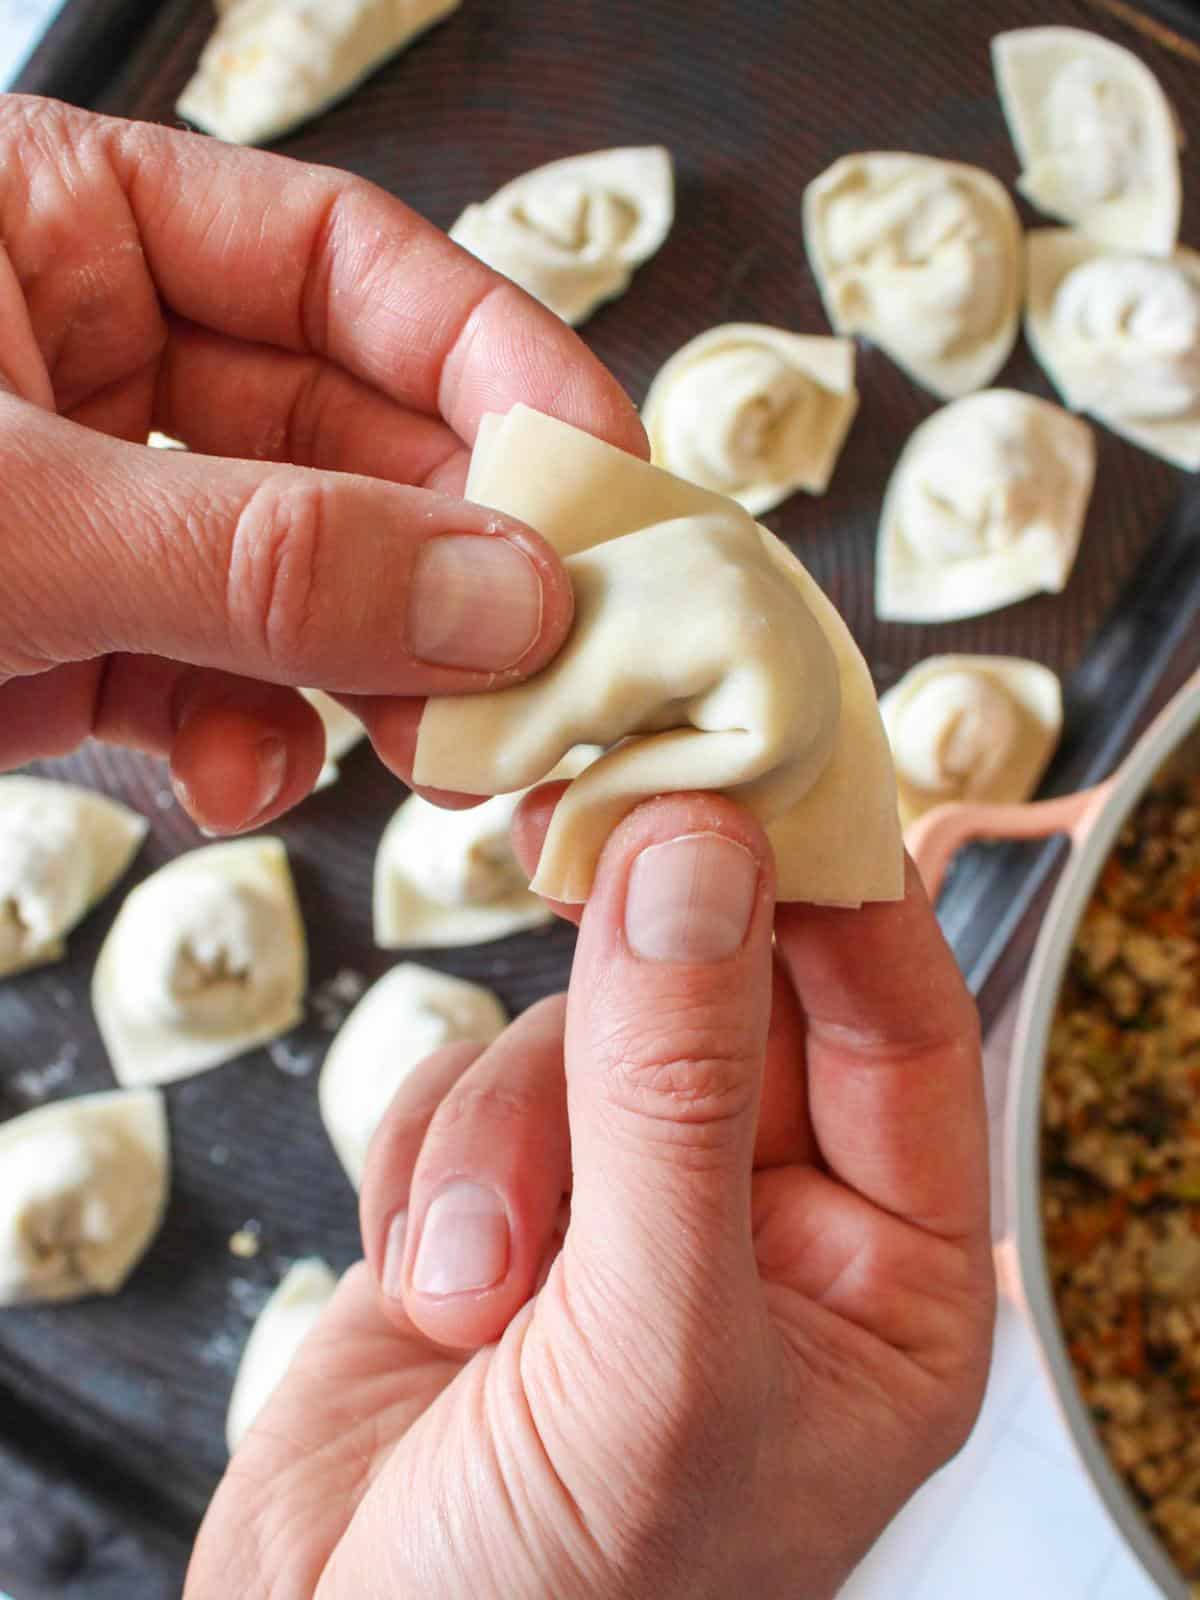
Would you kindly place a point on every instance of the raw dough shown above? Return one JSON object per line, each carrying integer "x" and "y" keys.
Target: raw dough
{"x": 1096, "y": 136}
{"x": 281, "y": 1328}
{"x": 696, "y": 630}
{"x": 61, "y": 850}
{"x": 924, "y": 258}
{"x": 205, "y": 960}
{"x": 404, "y": 1017}
{"x": 343, "y": 731}
{"x": 272, "y": 64}
{"x": 573, "y": 232}
{"x": 445, "y": 878}
{"x": 83, "y": 1187}
{"x": 985, "y": 506}
{"x": 979, "y": 728}
{"x": 1119, "y": 336}
{"x": 753, "y": 412}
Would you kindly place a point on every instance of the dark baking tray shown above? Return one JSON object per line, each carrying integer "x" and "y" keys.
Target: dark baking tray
{"x": 112, "y": 1410}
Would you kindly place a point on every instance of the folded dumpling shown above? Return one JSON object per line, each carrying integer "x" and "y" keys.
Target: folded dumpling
{"x": 924, "y": 258}
{"x": 985, "y": 506}
{"x": 573, "y": 232}
{"x": 61, "y": 850}
{"x": 280, "y": 1329}
{"x": 205, "y": 960}
{"x": 1096, "y": 135}
{"x": 445, "y": 878}
{"x": 1119, "y": 336}
{"x": 404, "y": 1017}
{"x": 980, "y": 728}
{"x": 83, "y": 1188}
{"x": 753, "y": 412}
{"x": 702, "y": 653}
{"x": 272, "y": 64}
{"x": 343, "y": 731}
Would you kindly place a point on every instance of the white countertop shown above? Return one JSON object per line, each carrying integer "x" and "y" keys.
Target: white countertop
{"x": 1012, "y": 1517}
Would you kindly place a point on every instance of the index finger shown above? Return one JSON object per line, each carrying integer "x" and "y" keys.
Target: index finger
{"x": 895, "y": 1079}
{"x": 310, "y": 259}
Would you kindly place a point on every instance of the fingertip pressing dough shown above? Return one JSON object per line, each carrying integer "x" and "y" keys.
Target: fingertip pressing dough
{"x": 1119, "y": 337}
{"x": 61, "y": 850}
{"x": 205, "y": 960}
{"x": 446, "y": 878}
{"x": 272, "y": 64}
{"x": 921, "y": 256}
{"x": 978, "y": 728}
{"x": 343, "y": 731}
{"x": 83, "y": 1188}
{"x": 753, "y": 412}
{"x": 1096, "y": 136}
{"x": 572, "y": 233}
{"x": 403, "y": 1018}
{"x": 753, "y": 684}
{"x": 280, "y": 1329}
{"x": 985, "y": 506}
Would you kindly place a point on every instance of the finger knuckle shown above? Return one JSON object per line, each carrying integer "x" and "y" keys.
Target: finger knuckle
{"x": 277, "y": 555}
{"x": 473, "y": 1105}
{"x": 684, "y": 1067}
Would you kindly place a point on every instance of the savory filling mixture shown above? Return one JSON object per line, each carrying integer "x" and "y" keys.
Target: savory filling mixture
{"x": 1121, "y": 1159}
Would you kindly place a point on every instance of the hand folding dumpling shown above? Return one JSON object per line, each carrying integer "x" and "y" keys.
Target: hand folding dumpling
{"x": 272, "y": 64}
{"x": 923, "y": 257}
{"x": 701, "y": 650}
{"x": 1096, "y": 135}
{"x": 753, "y": 412}
{"x": 572, "y": 233}
{"x": 83, "y": 1193}
{"x": 281, "y": 1328}
{"x": 979, "y": 728}
{"x": 985, "y": 506}
{"x": 61, "y": 850}
{"x": 1119, "y": 336}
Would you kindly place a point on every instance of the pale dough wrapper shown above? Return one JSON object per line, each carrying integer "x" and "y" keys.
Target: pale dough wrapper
{"x": 753, "y": 412}
{"x": 980, "y": 728}
{"x": 1119, "y": 337}
{"x": 403, "y": 1018}
{"x": 343, "y": 731}
{"x": 1097, "y": 138}
{"x": 573, "y": 232}
{"x": 272, "y": 64}
{"x": 447, "y": 878}
{"x": 985, "y": 506}
{"x": 701, "y": 649}
{"x": 921, "y": 256}
{"x": 61, "y": 850}
{"x": 83, "y": 1188}
{"x": 206, "y": 959}
{"x": 280, "y": 1329}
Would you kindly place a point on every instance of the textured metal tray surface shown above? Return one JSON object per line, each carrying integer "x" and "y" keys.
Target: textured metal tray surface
{"x": 754, "y": 100}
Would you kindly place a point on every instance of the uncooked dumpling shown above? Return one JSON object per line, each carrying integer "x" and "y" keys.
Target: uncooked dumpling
{"x": 985, "y": 506}
{"x": 979, "y": 728}
{"x": 924, "y": 258}
{"x": 343, "y": 731}
{"x": 61, "y": 850}
{"x": 701, "y": 649}
{"x": 272, "y": 64}
{"x": 411, "y": 1012}
{"x": 573, "y": 232}
{"x": 205, "y": 960}
{"x": 83, "y": 1187}
{"x": 445, "y": 878}
{"x": 281, "y": 1328}
{"x": 1119, "y": 336}
{"x": 753, "y": 412}
{"x": 1096, "y": 136}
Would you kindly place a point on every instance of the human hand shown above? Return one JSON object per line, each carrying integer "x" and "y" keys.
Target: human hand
{"x": 264, "y": 309}
{"x": 768, "y": 1320}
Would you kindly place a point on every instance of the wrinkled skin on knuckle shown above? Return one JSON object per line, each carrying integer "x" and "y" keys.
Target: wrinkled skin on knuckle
{"x": 277, "y": 556}
{"x": 681, "y": 1066}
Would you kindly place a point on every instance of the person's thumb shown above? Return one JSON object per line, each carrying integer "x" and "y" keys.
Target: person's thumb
{"x": 667, "y": 1018}
{"x": 279, "y": 573}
